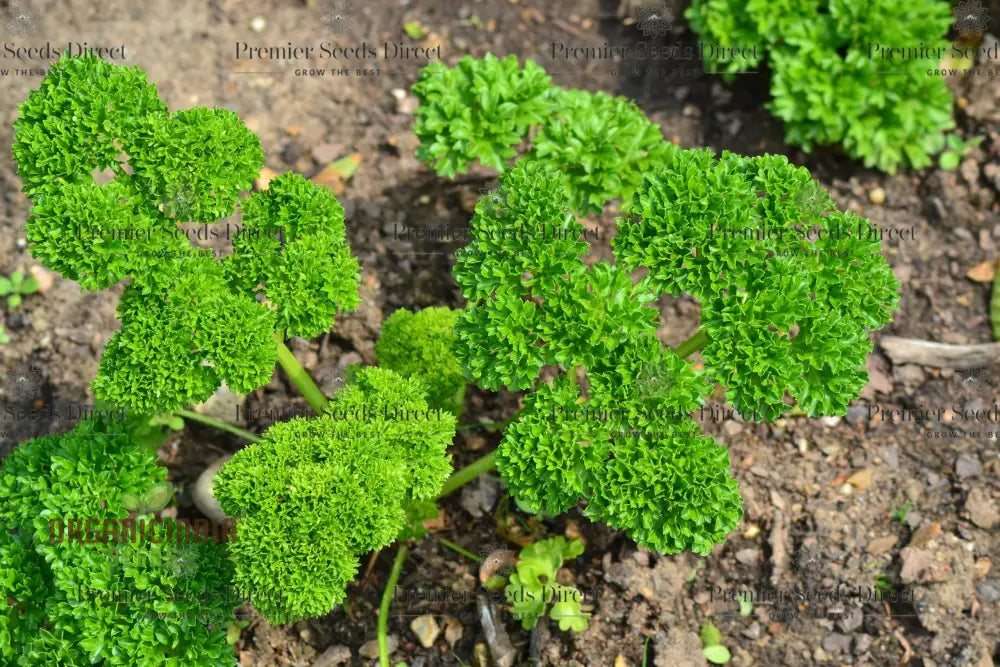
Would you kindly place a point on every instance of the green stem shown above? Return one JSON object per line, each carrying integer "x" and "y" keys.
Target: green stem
{"x": 298, "y": 375}
{"x": 459, "y": 550}
{"x": 692, "y": 344}
{"x": 383, "y": 610}
{"x": 468, "y": 473}
{"x": 217, "y": 423}
{"x": 571, "y": 372}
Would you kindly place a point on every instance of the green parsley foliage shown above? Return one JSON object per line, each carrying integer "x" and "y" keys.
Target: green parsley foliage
{"x": 478, "y": 110}
{"x": 601, "y": 144}
{"x": 482, "y": 108}
{"x": 189, "y": 321}
{"x": 533, "y": 588}
{"x": 422, "y": 345}
{"x": 789, "y": 288}
{"x": 73, "y": 602}
{"x": 831, "y": 82}
{"x": 294, "y": 248}
{"x": 314, "y": 494}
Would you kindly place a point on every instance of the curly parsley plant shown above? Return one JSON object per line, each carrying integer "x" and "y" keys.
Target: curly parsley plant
{"x": 850, "y": 72}
{"x": 98, "y": 599}
{"x": 315, "y": 494}
{"x": 189, "y": 320}
{"x": 789, "y": 288}
{"x": 482, "y": 108}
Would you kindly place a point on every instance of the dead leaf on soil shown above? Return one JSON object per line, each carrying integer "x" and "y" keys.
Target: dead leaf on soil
{"x": 984, "y": 272}
{"x": 862, "y": 479}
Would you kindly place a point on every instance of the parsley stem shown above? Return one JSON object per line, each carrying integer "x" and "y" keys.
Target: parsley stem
{"x": 298, "y": 375}
{"x": 217, "y": 423}
{"x": 468, "y": 473}
{"x": 459, "y": 550}
{"x": 383, "y": 610}
{"x": 692, "y": 344}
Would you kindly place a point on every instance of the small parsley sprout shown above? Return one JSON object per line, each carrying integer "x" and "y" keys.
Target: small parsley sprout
{"x": 834, "y": 77}
{"x": 315, "y": 494}
{"x": 16, "y": 287}
{"x": 189, "y": 321}
{"x": 533, "y": 591}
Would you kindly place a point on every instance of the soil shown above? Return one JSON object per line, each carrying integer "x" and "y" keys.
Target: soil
{"x": 864, "y": 503}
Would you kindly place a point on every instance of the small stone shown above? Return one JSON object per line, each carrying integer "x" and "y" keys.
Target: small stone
{"x": 334, "y": 657}
{"x": 836, "y": 643}
{"x": 370, "y": 648}
{"x": 924, "y": 534}
{"x": 851, "y": 620}
{"x": 326, "y": 152}
{"x": 752, "y": 531}
{"x": 453, "y": 631}
{"x": 846, "y": 489}
{"x": 264, "y": 178}
{"x": 981, "y": 508}
{"x": 620, "y": 661}
{"x": 732, "y": 429}
{"x": 968, "y": 465}
{"x": 405, "y": 104}
{"x": 748, "y": 556}
{"x": 862, "y": 479}
{"x": 44, "y": 277}
{"x": 862, "y": 643}
{"x": 988, "y": 592}
{"x": 982, "y": 567}
{"x": 922, "y": 565}
{"x": 881, "y": 545}
{"x": 202, "y": 494}
{"x": 224, "y": 405}
{"x": 753, "y": 632}
{"x": 830, "y": 421}
{"x": 426, "y": 629}
{"x": 257, "y": 24}
{"x": 856, "y": 413}
{"x": 876, "y": 195}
